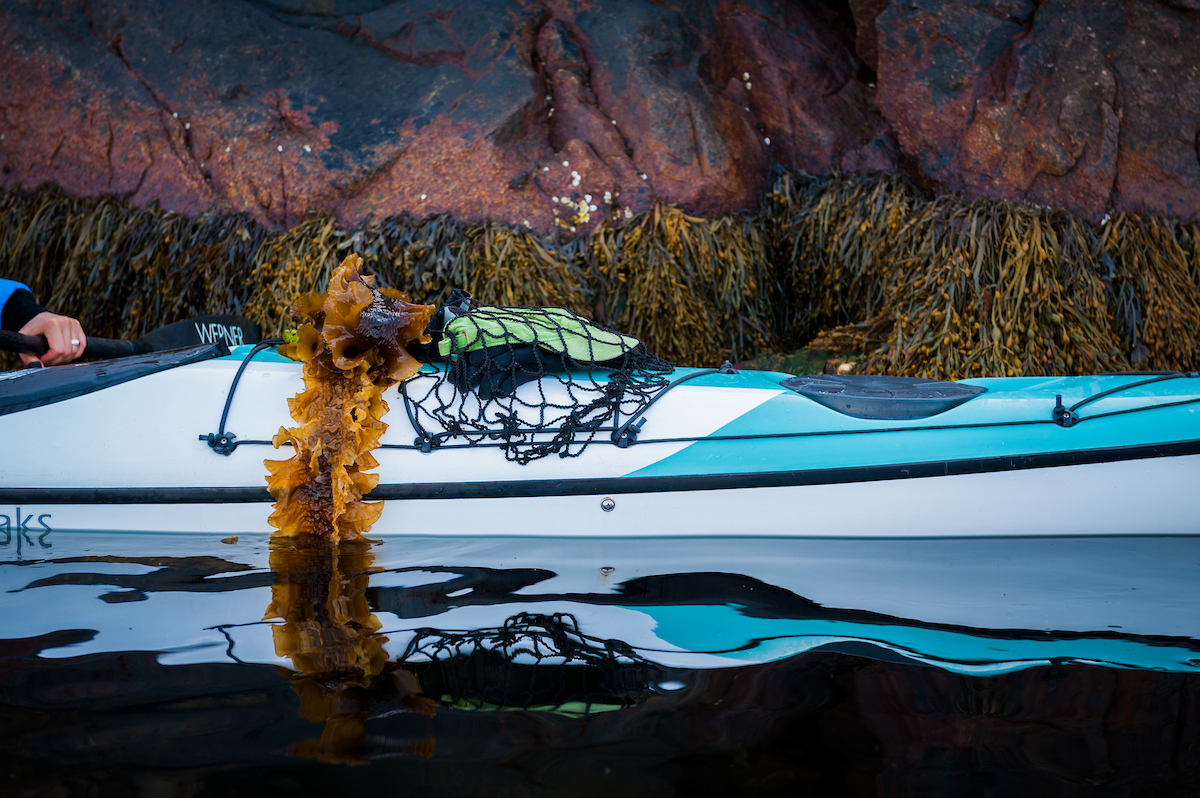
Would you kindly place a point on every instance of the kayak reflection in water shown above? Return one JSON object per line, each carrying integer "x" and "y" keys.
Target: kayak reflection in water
{"x": 342, "y": 673}
{"x": 21, "y": 313}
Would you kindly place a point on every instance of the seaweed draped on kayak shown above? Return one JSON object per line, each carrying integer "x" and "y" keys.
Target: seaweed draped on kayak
{"x": 352, "y": 347}
{"x": 358, "y": 340}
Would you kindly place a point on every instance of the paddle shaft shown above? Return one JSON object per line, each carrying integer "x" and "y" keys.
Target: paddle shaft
{"x": 96, "y": 347}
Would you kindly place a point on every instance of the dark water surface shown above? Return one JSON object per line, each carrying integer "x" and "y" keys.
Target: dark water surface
{"x": 185, "y": 665}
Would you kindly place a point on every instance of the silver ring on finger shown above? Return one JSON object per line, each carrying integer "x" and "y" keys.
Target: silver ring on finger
{"x": 74, "y": 342}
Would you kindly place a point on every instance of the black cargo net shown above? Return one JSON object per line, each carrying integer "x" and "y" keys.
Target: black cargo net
{"x": 533, "y": 661}
{"x": 530, "y": 381}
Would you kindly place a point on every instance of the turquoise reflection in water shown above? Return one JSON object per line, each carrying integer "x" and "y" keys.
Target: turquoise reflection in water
{"x": 727, "y": 631}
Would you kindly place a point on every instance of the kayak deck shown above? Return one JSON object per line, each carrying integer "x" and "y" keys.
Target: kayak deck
{"x": 716, "y": 452}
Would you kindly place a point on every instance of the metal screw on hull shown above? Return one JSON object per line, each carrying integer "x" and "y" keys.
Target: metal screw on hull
{"x": 607, "y": 505}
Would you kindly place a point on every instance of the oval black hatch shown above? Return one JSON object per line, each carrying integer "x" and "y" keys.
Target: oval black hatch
{"x": 893, "y": 398}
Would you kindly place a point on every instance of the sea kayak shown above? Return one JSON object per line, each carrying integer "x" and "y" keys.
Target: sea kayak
{"x": 175, "y": 442}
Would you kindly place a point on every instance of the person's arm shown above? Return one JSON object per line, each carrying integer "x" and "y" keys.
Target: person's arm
{"x": 21, "y": 313}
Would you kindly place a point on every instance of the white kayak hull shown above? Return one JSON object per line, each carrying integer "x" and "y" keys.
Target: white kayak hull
{"x": 732, "y": 454}
{"x": 1139, "y": 497}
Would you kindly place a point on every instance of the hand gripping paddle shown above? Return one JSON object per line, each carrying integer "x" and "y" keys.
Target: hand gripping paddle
{"x": 231, "y": 330}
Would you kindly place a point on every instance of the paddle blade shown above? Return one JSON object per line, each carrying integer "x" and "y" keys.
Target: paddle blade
{"x": 230, "y": 330}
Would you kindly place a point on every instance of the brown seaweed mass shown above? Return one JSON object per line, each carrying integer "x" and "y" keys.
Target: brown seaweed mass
{"x": 352, "y": 348}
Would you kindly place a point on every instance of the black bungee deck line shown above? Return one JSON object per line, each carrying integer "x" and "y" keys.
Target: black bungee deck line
{"x": 538, "y": 488}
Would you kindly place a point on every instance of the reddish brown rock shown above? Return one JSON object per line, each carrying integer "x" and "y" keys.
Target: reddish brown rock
{"x": 373, "y": 108}
{"x": 1093, "y": 105}
{"x": 805, "y": 87}
{"x": 865, "y": 39}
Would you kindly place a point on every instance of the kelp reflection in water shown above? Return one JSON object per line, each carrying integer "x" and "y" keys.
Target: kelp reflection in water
{"x": 341, "y": 671}
{"x": 538, "y": 673}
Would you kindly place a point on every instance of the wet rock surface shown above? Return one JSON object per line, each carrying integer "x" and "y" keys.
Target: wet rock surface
{"x": 483, "y": 109}
{"x": 490, "y": 110}
{"x": 1093, "y": 106}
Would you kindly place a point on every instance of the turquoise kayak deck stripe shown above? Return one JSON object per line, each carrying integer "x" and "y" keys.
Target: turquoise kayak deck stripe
{"x": 791, "y": 432}
{"x": 611, "y": 485}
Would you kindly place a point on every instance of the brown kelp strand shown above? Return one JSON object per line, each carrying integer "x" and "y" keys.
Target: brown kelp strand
{"x": 352, "y": 347}
{"x": 832, "y": 243}
{"x": 125, "y": 270}
{"x": 915, "y": 284}
{"x": 507, "y": 266}
{"x": 1156, "y": 307}
{"x": 695, "y": 289}
{"x": 989, "y": 288}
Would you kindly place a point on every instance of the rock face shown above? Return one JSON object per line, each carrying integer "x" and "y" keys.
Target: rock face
{"x": 483, "y": 108}
{"x": 494, "y": 108}
{"x": 1093, "y": 105}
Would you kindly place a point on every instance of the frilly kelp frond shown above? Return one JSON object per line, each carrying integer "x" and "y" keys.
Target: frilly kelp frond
{"x": 352, "y": 346}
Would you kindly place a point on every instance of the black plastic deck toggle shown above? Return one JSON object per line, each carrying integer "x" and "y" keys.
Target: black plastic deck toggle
{"x": 629, "y": 434}
{"x": 1062, "y": 415}
{"x": 224, "y": 443}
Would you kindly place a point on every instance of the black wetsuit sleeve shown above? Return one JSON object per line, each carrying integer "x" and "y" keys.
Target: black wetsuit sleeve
{"x": 18, "y": 310}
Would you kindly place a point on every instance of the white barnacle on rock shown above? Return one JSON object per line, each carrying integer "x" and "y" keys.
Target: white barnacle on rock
{"x": 422, "y": 198}
{"x": 566, "y": 163}
{"x": 227, "y": 149}
{"x": 642, "y": 175}
{"x": 555, "y": 199}
{"x": 628, "y": 214}
{"x": 307, "y": 148}
{"x": 187, "y": 125}
{"x": 587, "y": 197}
{"x": 745, "y": 76}
{"x": 575, "y": 178}
{"x": 608, "y": 198}
{"x": 592, "y": 208}
{"x": 767, "y": 140}
{"x": 551, "y": 112}
{"x": 279, "y": 147}
{"x": 747, "y": 86}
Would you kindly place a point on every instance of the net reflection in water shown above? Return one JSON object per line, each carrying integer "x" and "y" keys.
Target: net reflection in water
{"x": 372, "y": 658}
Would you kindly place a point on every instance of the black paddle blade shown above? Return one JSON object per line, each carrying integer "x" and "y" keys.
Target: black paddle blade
{"x": 230, "y": 330}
